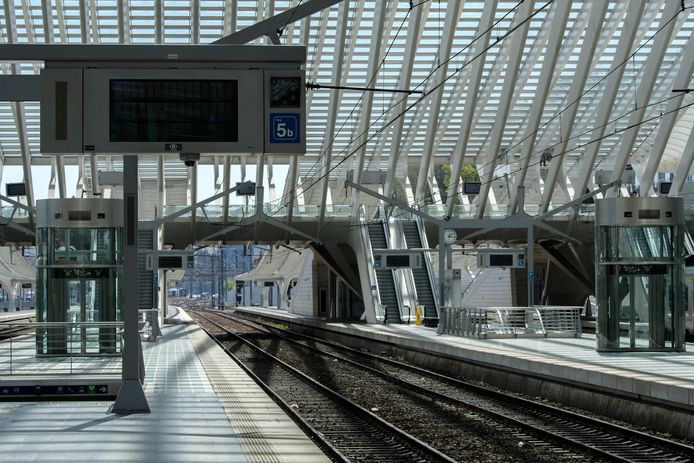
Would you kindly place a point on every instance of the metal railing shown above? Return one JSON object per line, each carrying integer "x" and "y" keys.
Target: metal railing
{"x": 150, "y": 328}
{"x": 61, "y": 348}
{"x": 513, "y": 322}
{"x": 379, "y": 309}
{"x": 427, "y": 262}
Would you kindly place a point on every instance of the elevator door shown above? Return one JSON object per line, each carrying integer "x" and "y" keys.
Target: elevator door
{"x": 645, "y": 320}
{"x": 83, "y": 309}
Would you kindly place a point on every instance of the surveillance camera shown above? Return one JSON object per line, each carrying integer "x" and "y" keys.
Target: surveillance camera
{"x": 189, "y": 159}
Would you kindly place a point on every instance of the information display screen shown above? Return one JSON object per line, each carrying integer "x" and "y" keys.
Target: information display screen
{"x": 501, "y": 260}
{"x": 398, "y": 261}
{"x": 285, "y": 92}
{"x": 143, "y": 110}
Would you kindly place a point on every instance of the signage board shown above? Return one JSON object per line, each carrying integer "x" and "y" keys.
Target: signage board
{"x": 220, "y": 104}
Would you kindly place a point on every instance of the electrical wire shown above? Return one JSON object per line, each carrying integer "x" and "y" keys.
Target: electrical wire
{"x": 577, "y": 100}
{"x": 423, "y": 82}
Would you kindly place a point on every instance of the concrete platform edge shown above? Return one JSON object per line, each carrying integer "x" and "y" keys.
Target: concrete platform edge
{"x": 631, "y": 406}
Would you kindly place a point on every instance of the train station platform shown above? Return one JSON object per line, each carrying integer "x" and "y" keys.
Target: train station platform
{"x": 204, "y": 408}
{"x": 635, "y": 387}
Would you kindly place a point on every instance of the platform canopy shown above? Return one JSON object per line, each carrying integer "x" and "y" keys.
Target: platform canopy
{"x": 536, "y": 93}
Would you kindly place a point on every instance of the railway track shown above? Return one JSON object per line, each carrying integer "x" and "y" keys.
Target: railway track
{"x": 350, "y": 432}
{"x": 600, "y": 438}
{"x": 8, "y": 331}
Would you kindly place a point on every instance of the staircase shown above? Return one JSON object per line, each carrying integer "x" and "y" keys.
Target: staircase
{"x": 642, "y": 242}
{"x": 386, "y": 286}
{"x": 422, "y": 282}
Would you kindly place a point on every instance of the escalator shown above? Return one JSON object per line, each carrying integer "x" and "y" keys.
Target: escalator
{"x": 386, "y": 285}
{"x": 422, "y": 279}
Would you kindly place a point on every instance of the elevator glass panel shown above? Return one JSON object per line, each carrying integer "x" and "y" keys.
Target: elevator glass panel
{"x": 636, "y": 270}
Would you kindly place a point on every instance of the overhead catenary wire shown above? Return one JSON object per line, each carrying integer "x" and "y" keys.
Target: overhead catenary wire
{"x": 584, "y": 93}
{"x": 420, "y": 84}
{"x": 557, "y": 115}
{"x": 429, "y": 92}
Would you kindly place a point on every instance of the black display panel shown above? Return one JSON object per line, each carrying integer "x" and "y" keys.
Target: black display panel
{"x": 170, "y": 261}
{"x": 143, "y": 110}
{"x": 471, "y": 188}
{"x": 15, "y": 189}
{"x": 501, "y": 260}
{"x": 398, "y": 261}
{"x": 285, "y": 92}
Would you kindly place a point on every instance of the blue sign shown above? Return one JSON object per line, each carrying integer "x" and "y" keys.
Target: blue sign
{"x": 285, "y": 128}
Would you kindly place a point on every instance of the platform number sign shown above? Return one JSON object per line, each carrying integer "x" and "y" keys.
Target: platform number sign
{"x": 285, "y": 128}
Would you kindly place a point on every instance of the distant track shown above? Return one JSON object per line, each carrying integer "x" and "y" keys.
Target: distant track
{"x": 349, "y": 431}
{"x": 598, "y": 437}
{"x": 8, "y": 331}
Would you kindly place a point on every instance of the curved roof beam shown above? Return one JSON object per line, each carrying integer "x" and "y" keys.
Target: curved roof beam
{"x": 452, "y": 14}
{"x": 334, "y": 104}
{"x": 645, "y": 89}
{"x": 515, "y": 57}
{"x": 624, "y": 102}
{"x": 548, "y": 65}
{"x": 575, "y": 32}
{"x": 18, "y": 107}
{"x": 270, "y": 27}
{"x": 682, "y": 80}
{"x": 414, "y": 34}
{"x": 458, "y": 154}
{"x": 682, "y": 169}
{"x": 602, "y": 38}
{"x": 367, "y": 102}
{"x": 597, "y": 15}
{"x": 524, "y": 73}
{"x": 624, "y": 47}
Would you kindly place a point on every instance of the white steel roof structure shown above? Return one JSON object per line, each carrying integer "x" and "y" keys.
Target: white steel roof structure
{"x": 502, "y": 83}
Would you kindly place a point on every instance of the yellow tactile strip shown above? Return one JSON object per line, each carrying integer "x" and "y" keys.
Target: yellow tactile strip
{"x": 266, "y": 433}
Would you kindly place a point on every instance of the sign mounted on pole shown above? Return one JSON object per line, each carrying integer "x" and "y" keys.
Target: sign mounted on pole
{"x": 157, "y": 99}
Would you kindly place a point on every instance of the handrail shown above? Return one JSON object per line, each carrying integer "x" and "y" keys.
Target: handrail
{"x": 554, "y": 321}
{"x": 371, "y": 270}
{"x": 393, "y": 272}
{"x": 67, "y": 344}
{"x": 427, "y": 262}
{"x": 539, "y": 317}
{"x": 406, "y": 275}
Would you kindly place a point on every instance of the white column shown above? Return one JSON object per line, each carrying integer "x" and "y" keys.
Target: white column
{"x": 682, "y": 80}
{"x": 333, "y": 105}
{"x": 624, "y": 47}
{"x": 554, "y": 44}
{"x": 449, "y": 27}
{"x": 645, "y": 89}
{"x": 470, "y": 101}
{"x": 585, "y": 58}
{"x": 367, "y": 100}
{"x": 515, "y": 57}
{"x": 414, "y": 30}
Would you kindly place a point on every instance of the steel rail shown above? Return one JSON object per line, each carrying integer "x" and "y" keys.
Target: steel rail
{"x": 415, "y": 444}
{"x": 658, "y": 444}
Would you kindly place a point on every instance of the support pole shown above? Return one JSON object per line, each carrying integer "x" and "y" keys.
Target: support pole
{"x": 442, "y": 283}
{"x": 131, "y": 397}
{"x": 531, "y": 265}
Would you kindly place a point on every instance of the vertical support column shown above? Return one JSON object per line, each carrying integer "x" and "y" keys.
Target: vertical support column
{"x": 530, "y": 262}
{"x": 94, "y": 172}
{"x": 193, "y": 173}
{"x": 60, "y": 175}
{"x": 227, "y": 185}
{"x": 442, "y": 283}
{"x": 131, "y": 397}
